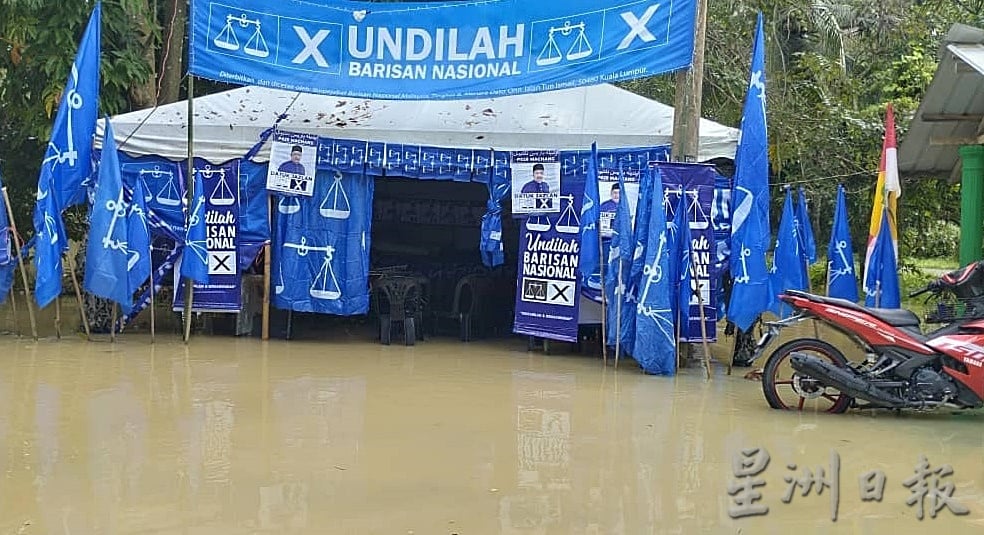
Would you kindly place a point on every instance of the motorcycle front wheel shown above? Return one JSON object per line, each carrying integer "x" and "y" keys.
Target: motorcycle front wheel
{"x": 788, "y": 389}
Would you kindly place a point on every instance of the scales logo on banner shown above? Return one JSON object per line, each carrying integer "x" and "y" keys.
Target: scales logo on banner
{"x": 548, "y": 294}
{"x": 535, "y": 183}
{"x": 221, "y": 212}
{"x": 451, "y": 50}
{"x": 293, "y": 159}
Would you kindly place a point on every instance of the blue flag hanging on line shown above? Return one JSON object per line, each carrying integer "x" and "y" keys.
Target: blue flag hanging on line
{"x": 750, "y": 230}
{"x": 441, "y": 51}
{"x": 641, "y": 233}
{"x": 194, "y": 261}
{"x": 107, "y": 256}
{"x": 138, "y": 240}
{"x": 67, "y": 161}
{"x": 788, "y": 266}
{"x": 655, "y": 345}
{"x": 882, "y": 285}
{"x": 620, "y": 318}
{"x": 804, "y": 228}
{"x": 680, "y": 262}
{"x": 842, "y": 280}
{"x": 590, "y": 257}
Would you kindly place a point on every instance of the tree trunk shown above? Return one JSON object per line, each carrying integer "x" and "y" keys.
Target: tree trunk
{"x": 143, "y": 94}
{"x": 175, "y": 22}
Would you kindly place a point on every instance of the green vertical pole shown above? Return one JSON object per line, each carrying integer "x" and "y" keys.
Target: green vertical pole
{"x": 971, "y": 199}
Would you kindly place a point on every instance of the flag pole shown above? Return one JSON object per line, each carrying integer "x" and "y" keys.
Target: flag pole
{"x": 78, "y": 297}
{"x": 13, "y": 309}
{"x": 618, "y": 309}
{"x": 112, "y": 325}
{"x": 153, "y": 314}
{"x": 190, "y": 195}
{"x": 604, "y": 300}
{"x": 58, "y": 315}
{"x": 20, "y": 262}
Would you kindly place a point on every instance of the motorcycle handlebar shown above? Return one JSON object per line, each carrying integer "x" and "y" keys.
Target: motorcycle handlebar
{"x": 917, "y": 293}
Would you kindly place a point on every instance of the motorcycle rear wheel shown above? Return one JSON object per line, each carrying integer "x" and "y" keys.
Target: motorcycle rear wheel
{"x": 804, "y": 387}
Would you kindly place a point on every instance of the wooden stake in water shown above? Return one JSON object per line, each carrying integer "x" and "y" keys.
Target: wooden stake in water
{"x": 78, "y": 297}
{"x": 618, "y": 313}
{"x": 153, "y": 313}
{"x": 58, "y": 317}
{"x": 112, "y": 326}
{"x": 604, "y": 301}
{"x": 20, "y": 262}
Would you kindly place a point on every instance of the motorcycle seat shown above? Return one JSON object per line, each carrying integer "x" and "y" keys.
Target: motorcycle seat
{"x": 896, "y": 317}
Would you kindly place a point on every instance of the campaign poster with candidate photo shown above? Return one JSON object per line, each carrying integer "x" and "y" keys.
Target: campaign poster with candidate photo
{"x": 611, "y": 195}
{"x": 535, "y": 182}
{"x": 293, "y": 161}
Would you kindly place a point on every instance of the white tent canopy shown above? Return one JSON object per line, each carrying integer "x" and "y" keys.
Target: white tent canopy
{"x": 228, "y": 124}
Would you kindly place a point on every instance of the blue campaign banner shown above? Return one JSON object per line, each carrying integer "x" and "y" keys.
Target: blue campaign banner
{"x": 435, "y": 51}
{"x": 162, "y": 185}
{"x": 223, "y": 293}
{"x": 548, "y": 290}
{"x": 321, "y": 246}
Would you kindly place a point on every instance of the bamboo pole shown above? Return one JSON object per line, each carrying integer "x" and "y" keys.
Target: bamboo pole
{"x": 13, "y": 307}
{"x": 58, "y": 317}
{"x": 78, "y": 297}
{"x": 618, "y": 312}
{"x": 189, "y": 290}
{"x": 20, "y": 262}
{"x": 265, "y": 331}
{"x": 153, "y": 313}
{"x": 112, "y": 325}
{"x": 604, "y": 300}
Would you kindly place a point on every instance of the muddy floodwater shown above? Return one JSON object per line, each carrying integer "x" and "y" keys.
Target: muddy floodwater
{"x": 237, "y": 436}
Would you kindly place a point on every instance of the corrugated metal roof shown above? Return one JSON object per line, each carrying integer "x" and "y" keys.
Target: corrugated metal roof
{"x": 952, "y": 110}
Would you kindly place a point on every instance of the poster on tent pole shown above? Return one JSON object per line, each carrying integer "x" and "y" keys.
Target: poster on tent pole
{"x": 535, "y": 182}
{"x": 548, "y": 291}
{"x": 223, "y": 293}
{"x": 437, "y": 51}
{"x": 293, "y": 159}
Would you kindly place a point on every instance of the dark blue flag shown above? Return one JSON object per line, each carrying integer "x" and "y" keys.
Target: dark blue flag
{"x": 655, "y": 347}
{"x": 107, "y": 255}
{"x": 682, "y": 286}
{"x": 882, "y": 286}
{"x": 590, "y": 257}
{"x": 138, "y": 240}
{"x": 641, "y": 231}
{"x": 788, "y": 268}
{"x": 194, "y": 261}
{"x": 842, "y": 280}
{"x": 750, "y": 229}
{"x": 67, "y": 161}
{"x": 620, "y": 317}
{"x": 804, "y": 227}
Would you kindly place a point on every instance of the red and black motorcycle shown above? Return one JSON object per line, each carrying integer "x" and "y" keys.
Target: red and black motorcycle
{"x": 903, "y": 368}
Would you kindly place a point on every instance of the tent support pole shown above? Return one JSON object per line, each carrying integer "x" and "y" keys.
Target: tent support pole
{"x": 20, "y": 262}
{"x": 190, "y": 194}
{"x": 265, "y": 332}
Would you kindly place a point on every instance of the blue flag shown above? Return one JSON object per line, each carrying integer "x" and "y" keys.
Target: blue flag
{"x": 194, "y": 261}
{"x": 788, "y": 267}
{"x": 590, "y": 218}
{"x": 882, "y": 285}
{"x": 138, "y": 240}
{"x": 67, "y": 162}
{"x": 641, "y": 232}
{"x": 804, "y": 227}
{"x": 655, "y": 347}
{"x": 842, "y": 280}
{"x": 750, "y": 234}
{"x": 49, "y": 244}
{"x": 6, "y": 256}
{"x": 620, "y": 320}
{"x": 681, "y": 262}
{"x": 107, "y": 255}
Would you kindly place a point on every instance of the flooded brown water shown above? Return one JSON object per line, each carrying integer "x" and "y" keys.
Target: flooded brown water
{"x": 238, "y": 436}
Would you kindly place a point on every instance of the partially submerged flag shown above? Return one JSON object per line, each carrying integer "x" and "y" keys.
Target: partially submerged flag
{"x": 654, "y": 344}
{"x": 67, "y": 161}
{"x": 620, "y": 317}
{"x": 887, "y": 193}
{"x": 804, "y": 228}
{"x": 590, "y": 257}
{"x": 882, "y": 279}
{"x": 138, "y": 240}
{"x": 788, "y": 268}
{"x": 107, "y": 255}
{"x": 842, "y": 281}
{"x": 194, "y": 260}
{"x": 750, "y": 234}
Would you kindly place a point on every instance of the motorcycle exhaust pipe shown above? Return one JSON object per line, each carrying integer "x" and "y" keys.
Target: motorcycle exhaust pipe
{"x": 844, "y": 380}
